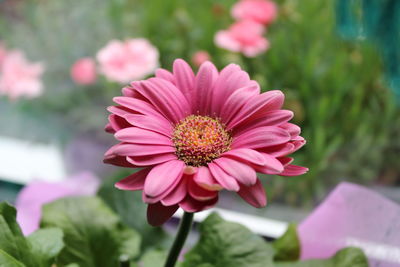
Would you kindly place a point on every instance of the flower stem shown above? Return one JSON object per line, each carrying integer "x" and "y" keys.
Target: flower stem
{"x": 184, "y": 228}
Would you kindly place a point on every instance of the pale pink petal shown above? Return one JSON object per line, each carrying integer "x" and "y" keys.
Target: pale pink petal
{"x": 224, "y": 179}
{"x": 158, "y": 214}
{"x": 190, "y": 204}
{"x": 241, "y": 172}
{"x": 151, "y": 159}
{"x": 204, "y": 85}
{"x": 200, "y": 193}
{"x": 204, "y": 178}
{"x": 254, "y": 195}
{"x": 166, "y": 75}
{"x": 246, "y": 155}
{"x": 292, "y": 129}
{"x": 272, "y": 165}
{"x": 151, "y": 123}
{"x": 178, "y": 193}
{"x": 134, "y": 181}
{"x": 184, "y": 78}
{"x": 137, "y": 135}
{"x": 258, "y": 47}
{"x": 135, "y": 150}
{"x": 293, "y": 170}
{"x": 224, "y": 39}
{"x": 162, "y": 177}
{"x": 261, "y": 137}
{"x": 280, "y": 150}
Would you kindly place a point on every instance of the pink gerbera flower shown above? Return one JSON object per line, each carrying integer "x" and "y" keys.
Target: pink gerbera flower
{"x": 195, "y": 135}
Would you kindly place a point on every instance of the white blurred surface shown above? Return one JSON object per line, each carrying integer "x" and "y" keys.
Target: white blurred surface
{"x": 22, "y": 161}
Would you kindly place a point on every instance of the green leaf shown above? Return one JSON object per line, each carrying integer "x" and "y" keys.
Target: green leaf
{"x": 6, "y": 260}
{"x": 131, "y": 209}
{"x": 93, "y": 233}
{"x": 287, "y": 247}
{"x": 347, "y": 257}
{"x": 225, "y": 243}
{"x": 46, "y": 244}
{"x": 154, "y": 258}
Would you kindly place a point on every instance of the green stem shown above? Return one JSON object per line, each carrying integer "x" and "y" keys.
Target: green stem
{"x": 184, "y": 228}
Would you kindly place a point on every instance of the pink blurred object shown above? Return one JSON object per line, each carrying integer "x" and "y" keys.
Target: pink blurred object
{"x": 84, "y": 71}
{"x": 244, "y": 36}
{"x": 353, "y": 215}
{"x": 33, "y": 196}
{"x": 200, "y": 57}
{"x": 126, "y": 61}
{"x": 260, "y": 11}
{"x": 3, "y": 52}
{"x": 19, "y": 77}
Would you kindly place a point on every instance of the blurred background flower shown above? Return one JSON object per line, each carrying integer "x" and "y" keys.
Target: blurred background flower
{"x": 261, "y": 11}
{"x": 83, "y": 71}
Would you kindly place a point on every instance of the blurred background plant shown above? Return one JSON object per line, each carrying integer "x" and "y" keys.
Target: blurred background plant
{"x": 336, "y": 87}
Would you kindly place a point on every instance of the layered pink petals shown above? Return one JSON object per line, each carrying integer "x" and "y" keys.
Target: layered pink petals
{"x": 259, "y": 138}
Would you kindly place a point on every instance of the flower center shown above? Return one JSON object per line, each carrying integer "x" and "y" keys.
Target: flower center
{"x": 200, "y": 139}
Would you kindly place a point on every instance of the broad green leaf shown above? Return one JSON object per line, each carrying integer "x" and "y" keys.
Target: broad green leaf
{"x": 287, "y": 247}
{"x": 93, "y": 233}
{"x": 131, "y": 209}
{"x": 6, "y": 260}
{"x": 46, "y": 244}
{"x": 153, "y": 258}
{"x": 225, "y": 243}
{"x": 347, "y": 257}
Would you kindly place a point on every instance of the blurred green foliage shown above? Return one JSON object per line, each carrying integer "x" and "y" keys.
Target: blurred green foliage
{"x": 335, "y": 87}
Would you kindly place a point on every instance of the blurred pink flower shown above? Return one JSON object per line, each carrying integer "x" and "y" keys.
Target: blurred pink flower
{"x": 200, "y": 57}
{"x": 123, "y": 62}
{"x": 84, "y": 71}
{"x": 33, "y": 196}
{"x": 261, "y": 11}
{"x": 19, "y": 77}
{"x": 243, "y": 36}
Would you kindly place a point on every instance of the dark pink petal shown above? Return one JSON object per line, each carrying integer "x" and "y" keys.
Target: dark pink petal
{"x": 165, "y": 97}
{"x": 109, "y": 129}
{"x": 279, "y": 150}
{"x": 184, "y": 78}
{"x": 177, "y": 194}
{"x": 117, "y": 122}
{"x": 204, "y": 178}
{"x": 136, "y": 150}
{"x": 237, "y": 100}
{"x": 162, "y": 177}
{"x": 224, "y": 179}
{"x": 158, "y": 214}
{"x": 190, "y": 204}
{"x": 260, "y": 104}
{"x": 135, "y": 105}
{"x": 111, "y": 158}
{"x": 151, "y": 123}
{"x": 243, "y": 173}
{"x": 141, "y": 136}
{"x": 261, "y": 137}
{"x": 271, "y": 118}
{"x": 166, "y": 75}
{"x": 293, "y": 170}
{"x": 204, "y": 85}
{"x": 245, "y": 155}
{"x": 134, "y": 181}
{"x": 272, "y": 165}
{"x": 151, "y": 159}
{"x": 200, "y": 193}
{"x": 285, "y": 160}
{"x": 254, "y": 195}
{"x": 292, "y": 129}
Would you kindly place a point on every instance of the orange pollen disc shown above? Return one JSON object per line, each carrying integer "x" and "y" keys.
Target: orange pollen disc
{"x": 200, "y": 139}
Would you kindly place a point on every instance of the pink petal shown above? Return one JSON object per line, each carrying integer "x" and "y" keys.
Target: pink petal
{"x": 140, "y": 136}
{"x": 190, "y": 204}
{"x": 224, "y": 179}
{"x": 162, "y": 177}
{"x": 293, "y": 170}
{"x": 128, "y": 91}
{"x": 158, "y": 214}
{"x": 166, "y": 75}
{"x": 136, "y": 105}
{"x": 184, "y": 78}
{"x": 118, "y": 123}
{"x": 261, "y": 137}
{"x": 200, "y": 193}
{"x": 280, "y": 150}
{"x": 111, "y": 158}
{"x": 293, "y": 129}
{"x": 272, "y": 165}
{"x": 134, "y": 181}
{"x": 177, "y": 194}
{"x": 151, "y": 123}
{"x": 151, "y": 159}
{"x": 165, "y": 97}
{"x": 240, "y": 171}
{"x": 204, "y": 85}
{"x": 136, "y": 150}
{"x": 254, "y": 195}
{"x": 204, "y": 179}
{"x": 245, "y": 155}
{"x": 286, "y": 160}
